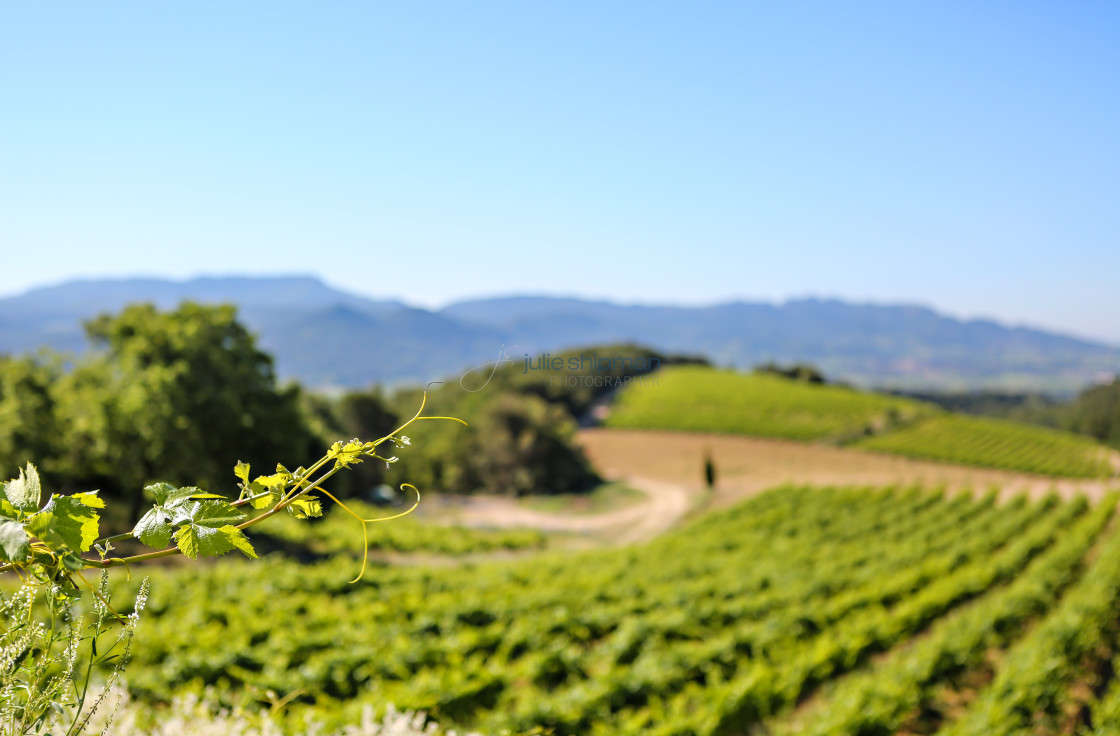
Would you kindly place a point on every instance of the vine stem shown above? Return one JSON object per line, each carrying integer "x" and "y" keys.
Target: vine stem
{"x": 298, "y": 491}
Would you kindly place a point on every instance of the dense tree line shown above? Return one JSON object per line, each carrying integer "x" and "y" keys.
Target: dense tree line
{"x": 182, "y": 395}
{"x": 1094, "y": 412}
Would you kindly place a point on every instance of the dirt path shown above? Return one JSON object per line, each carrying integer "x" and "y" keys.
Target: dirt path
{"x": 664, "y": 504}
{"x": 668, "y": 468}
{"x": 746, "y": 466}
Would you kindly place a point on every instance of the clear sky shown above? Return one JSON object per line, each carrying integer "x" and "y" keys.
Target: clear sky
{"x": 964, "y": 155}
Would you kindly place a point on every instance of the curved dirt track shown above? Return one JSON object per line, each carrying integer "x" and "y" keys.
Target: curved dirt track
{"x": 668, "y": 468}
{"x": 664, "y": 504}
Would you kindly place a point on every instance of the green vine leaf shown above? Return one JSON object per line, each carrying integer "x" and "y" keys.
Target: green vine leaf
{"x": 153, "y": 529}
{"x": 194, "y": 540}
{"x": 238, "y": 539}
{"x": 241, "y": 470}
{"x": 68, "y": 521}
{"x": 24, "y": 492}
{"x": 349, "y": 453}
{"x": 306, "y": 507}
{"x": 7, "y": 510}
{"x": 273, "y": 485}
{"x": 207, "y": 528}
{"x": 175, "y": 506}
{"x": 14, "y": 542}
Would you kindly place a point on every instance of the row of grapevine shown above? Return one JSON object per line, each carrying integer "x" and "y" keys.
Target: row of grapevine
{"x": 670, "y": 659}
{"x": 998, "y": 444}
{"x": 705, "y": 400}
{"x": 726, "y": 621}
{"x": 340, "y": 533}
{"x": 1032, "y": 689}
{"x": 765, "y": 688}
{"x": 880, "y": 700}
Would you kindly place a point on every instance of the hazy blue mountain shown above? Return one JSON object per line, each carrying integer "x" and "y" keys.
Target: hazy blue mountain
{"x": 886, "y": 345}
{"x": 319, "y": 335}
{"x": 326, "y": 337}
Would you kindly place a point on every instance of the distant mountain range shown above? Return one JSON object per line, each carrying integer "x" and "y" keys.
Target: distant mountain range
{"x": 328, "y": 338}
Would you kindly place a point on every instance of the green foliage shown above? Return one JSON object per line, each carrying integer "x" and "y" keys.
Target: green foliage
{"x": 705, "y": 400}
{"x": 44, "y": 684}
{"x": 337, "y": 534}
{"x": 524, "y": 422}
{"x": 796, "y": 371}
{"x": 880, "y": 700}
{"x": 999, "y": 444}
{"x": 698, "y": 399}
{"x": 719, "y": 627}
{"x": 1096, "y": 412}
{"x": 47, "y": 546}
{"x": 30, "y": 426}
{"x": 518, "y": 444}
{"x": 170, "y": 395}
{"x": 355, "y": 414}
{"x": 200, "y": 523}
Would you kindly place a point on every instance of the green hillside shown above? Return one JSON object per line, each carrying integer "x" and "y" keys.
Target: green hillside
{"x": 997, "y": 443}
{"x": 889, "y": 598}
{"x": 705, "y": 400}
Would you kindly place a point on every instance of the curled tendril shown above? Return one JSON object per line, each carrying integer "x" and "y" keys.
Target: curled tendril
{"x": 366, "y": 522}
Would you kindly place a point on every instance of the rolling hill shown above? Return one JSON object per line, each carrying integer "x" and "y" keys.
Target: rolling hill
{"x": 705, "y": 400}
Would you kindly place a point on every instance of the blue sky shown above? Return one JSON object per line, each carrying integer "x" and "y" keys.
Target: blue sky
{"x": 963, "y": 155}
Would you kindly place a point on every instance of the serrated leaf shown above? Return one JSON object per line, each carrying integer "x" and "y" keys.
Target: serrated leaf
{"x": 24, "y": 492}
{"x": 6, "y": 509}
{"x": 72, "y": 562}
{"x": 241, "y": 470}
{"x": 187, "y": 541}
{"x": 345, "y": 455}
{"x": 278, "y": 480}
{"x": 238, "y": 539}
{"x": 306, "y": 507}
{"x": 166, "y": 494}
{"x": 264, "y": 502}
{"x": 14, "y": 542}
{"x": 90, "y": 498}
{"x": 154, "y": 528}
{"x": 203, "y": 510}
{"x": 66, "y": 521}
{"x": 194, "y": 540}
{"x": 211, "y": 513}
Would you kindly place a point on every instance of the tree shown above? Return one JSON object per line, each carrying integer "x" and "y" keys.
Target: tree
{"x": 515, "y": 445}
{"x": 29, "y": 426}
{"x": 177, "y": 396}
{"x": 709, "y": 470}
{"x": 1096, "y": 412}
{"x": 354, "y": 414}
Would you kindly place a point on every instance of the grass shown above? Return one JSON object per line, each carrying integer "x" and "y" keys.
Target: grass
{"x": 706, "y": 400}
{"x": 997, "y": 443}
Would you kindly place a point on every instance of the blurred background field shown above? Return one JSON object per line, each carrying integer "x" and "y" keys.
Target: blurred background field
{"x": 785, "y": 340}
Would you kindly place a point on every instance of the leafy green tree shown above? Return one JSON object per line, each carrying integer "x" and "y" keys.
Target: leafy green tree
{"x": 354, "y": 414}
{"x": 29, "y": 423}
{"x": 515, "y": 445}
{"x": 1096, "y": 412}
{"x": 176, "y": 396}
